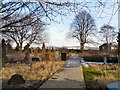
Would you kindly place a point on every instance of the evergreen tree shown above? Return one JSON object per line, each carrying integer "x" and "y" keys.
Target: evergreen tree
{"x": 9, "y": 48}
{"x": 52, "y": 49}
{"x": 43, "y": 49}
{"x": 43, "y": 46}
{"x": 27, "y": 52}
{"x": 36, "y": 51}
{"x": 27, "y": 49}
{"x": 3, "y": 51}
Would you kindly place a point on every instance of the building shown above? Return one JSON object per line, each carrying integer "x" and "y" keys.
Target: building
{"x": 106, "y": 46}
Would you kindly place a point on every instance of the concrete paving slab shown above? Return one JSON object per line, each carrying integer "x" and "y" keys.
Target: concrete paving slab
{"x": 68, "y": 78}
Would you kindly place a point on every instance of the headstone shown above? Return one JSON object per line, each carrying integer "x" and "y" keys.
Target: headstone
{"x": 16, "y": 79}
{"x": 35, "y": 59}
{"x": 63, "y": 56}
{"x": 105, "y": 59}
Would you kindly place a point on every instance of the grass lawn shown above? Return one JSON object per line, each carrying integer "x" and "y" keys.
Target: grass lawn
{"x": 90, "y": 73}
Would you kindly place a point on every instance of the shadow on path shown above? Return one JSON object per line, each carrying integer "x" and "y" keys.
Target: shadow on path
{"x": 66, "y": 83}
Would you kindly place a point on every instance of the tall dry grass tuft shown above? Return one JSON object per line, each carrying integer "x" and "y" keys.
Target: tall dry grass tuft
{"x": 104, "y": 80}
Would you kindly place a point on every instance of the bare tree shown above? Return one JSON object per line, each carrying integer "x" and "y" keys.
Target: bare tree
{"x": 82, "y": 27}
{"x": 49, "y": 9}
{"x": 30, "y": 33}
{"x": 108, "y": 33}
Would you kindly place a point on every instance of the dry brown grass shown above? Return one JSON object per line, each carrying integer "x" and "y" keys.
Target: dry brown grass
{"x": 97, "y": 53}
{"x": 100, "y": 82}
{"x": 104, "y": 80}
{"x": 109, "y": 74}
{"x": 33, "y": 71}
{"x": 48, "y": 55}
{"x": 102, "y": 67}
{"x": 13, "y": 56}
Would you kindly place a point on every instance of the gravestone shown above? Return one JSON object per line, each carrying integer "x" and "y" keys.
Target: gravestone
{"x": 63, "y": 56}
{"x": 105, "y": 59}
{"x": 16, "y": 79}
{"x": 35, "y": 59}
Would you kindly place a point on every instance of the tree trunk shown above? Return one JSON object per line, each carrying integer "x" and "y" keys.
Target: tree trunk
{"x": 20, "y": 47}
{"x": 82, "y": 48}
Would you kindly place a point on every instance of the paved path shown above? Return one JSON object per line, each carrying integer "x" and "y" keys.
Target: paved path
{"x": 70, "y": 77}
